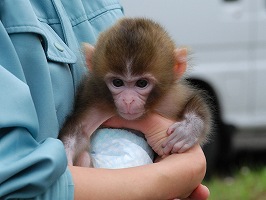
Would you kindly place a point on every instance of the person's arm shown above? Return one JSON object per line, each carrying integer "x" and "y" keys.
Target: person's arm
{"x": 177, "y": 175}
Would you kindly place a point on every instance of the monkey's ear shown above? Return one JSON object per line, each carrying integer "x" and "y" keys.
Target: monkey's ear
{"x": 88, "y": 51}
{"x": 180, "y": 61}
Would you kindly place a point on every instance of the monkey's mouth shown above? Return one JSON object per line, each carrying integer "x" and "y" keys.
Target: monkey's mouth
{"x": 131, "y": 116}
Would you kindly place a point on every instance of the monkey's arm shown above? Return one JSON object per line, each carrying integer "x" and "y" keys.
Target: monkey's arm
{"x": 194, "y": 126}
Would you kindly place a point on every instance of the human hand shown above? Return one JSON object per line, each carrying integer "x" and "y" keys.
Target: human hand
{"x": 200, "y": 193}
{"x": 153, "y": 126}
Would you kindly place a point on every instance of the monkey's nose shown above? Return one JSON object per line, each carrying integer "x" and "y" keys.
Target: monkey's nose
{"x": 128, "y": 103}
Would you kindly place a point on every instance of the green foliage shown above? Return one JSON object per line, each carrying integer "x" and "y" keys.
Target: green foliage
{"x": 245, "y": 185}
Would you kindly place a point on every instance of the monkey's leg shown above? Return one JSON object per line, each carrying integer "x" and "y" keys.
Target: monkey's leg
{"x": 77, "y": 132}
{"x": 84, "y": 160}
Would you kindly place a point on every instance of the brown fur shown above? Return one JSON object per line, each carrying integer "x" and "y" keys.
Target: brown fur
{"x": 137, "y": 45}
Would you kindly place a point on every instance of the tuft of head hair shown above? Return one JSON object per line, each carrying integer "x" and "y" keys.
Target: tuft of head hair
{"x": 136, "y": 45}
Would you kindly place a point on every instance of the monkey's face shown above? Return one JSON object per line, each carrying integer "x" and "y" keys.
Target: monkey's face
{"x": 130, "y": 93}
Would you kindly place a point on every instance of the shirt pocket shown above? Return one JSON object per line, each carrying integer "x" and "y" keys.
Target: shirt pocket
{"x": 54, "y": 47}
{"x": 25, "y": 21}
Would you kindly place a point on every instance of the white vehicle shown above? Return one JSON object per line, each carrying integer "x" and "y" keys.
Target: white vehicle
{"x": 228, "y": 41}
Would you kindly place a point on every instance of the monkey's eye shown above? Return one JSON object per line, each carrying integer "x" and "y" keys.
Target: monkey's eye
{"x": 142, "y": 83}
{"x": 118, "y": 82}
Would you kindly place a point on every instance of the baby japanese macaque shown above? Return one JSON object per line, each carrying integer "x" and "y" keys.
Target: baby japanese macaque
{"x": 135, "y": 69}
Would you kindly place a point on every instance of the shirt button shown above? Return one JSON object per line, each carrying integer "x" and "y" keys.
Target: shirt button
{"x": 59, "y": 46}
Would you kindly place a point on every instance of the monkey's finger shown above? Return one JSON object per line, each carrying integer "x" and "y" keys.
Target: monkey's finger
{"x": 167, "y": 150}
{"x": 188, "y": 144}
{"x": 177, "y": 146}
{"x": 169, "y": 145}
{"x": 172, "y": 128}
{"x": 172, "y": 138}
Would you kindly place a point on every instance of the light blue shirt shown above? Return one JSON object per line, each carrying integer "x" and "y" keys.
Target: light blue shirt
{"x": 40, "y": 68}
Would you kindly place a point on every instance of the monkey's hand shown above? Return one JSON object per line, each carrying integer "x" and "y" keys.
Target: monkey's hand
{"x": 183, "y": 134}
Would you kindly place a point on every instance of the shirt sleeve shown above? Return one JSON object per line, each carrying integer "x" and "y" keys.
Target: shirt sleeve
{"x": 33, "y": 163}
{"x": 27, "y": 167}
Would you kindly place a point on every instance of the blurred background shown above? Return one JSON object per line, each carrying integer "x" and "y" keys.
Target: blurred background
{"x": 227, "y": 41}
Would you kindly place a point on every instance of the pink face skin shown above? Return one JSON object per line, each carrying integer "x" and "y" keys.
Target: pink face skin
{"x": 130, "y": 93}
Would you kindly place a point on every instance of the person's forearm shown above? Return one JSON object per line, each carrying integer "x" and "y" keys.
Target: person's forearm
{"x": 185, "y": 172}
{"x": 175, "y": 176}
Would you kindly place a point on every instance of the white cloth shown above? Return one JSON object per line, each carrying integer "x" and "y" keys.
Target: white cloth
{"x": 124, "y": 149}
